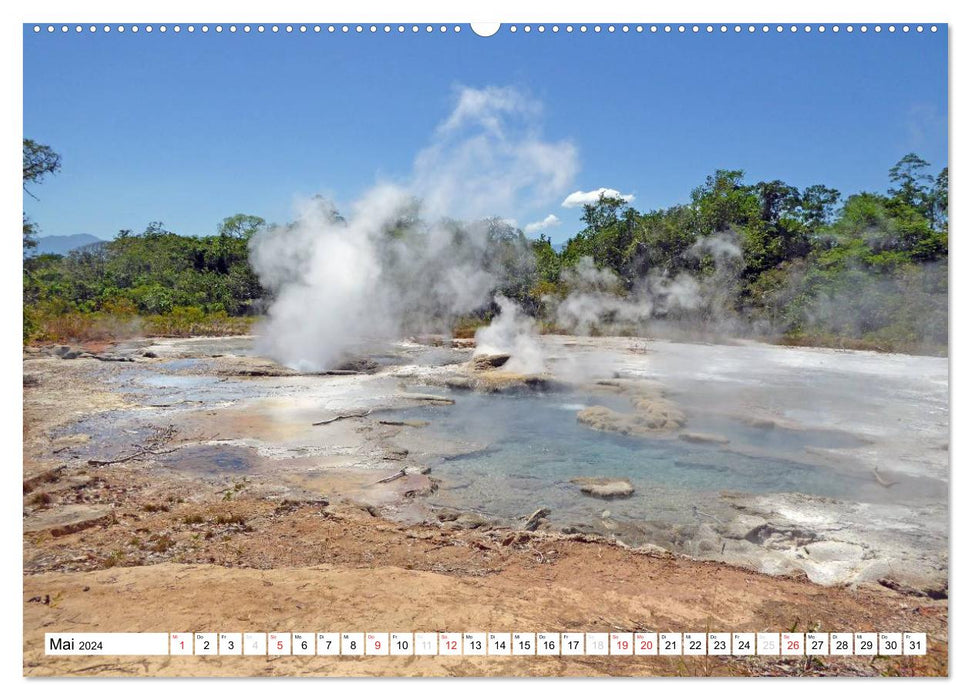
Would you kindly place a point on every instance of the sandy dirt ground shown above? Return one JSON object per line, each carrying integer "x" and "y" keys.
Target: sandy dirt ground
{"x": 132, "y": 546}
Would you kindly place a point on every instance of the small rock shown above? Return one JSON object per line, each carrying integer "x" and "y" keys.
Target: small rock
{"x": 514, "y": 538}
{"x": 357, "y": 366}
{"x": 653, "y": 550}
{"x": 763, "y": 423}
{"x": 606, "y": 488}
{"x": 483, "y": 362}
{"x": 469, "y": 521}
{"x": 405, "y": 423}
{"x": 578, "y": 529}
{"x": 534, "y": 520}
{"x": 704, "y": 438}
{"x": 112, "y": 358}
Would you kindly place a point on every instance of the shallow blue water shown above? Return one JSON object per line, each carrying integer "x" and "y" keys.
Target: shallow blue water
{"x": 535, "y": 446}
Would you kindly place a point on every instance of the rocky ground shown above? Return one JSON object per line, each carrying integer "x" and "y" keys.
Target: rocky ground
{"x": 131, "y": 540}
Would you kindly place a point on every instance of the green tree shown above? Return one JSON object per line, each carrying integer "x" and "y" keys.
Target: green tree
{"x": 547, "y": 261}
{"x": 724, "y": 202}
{"x": 604, "y": 212}
{"x": 914, "y": 187}
{"x": 242, "y": 226}
{"x": 817, "y": 205}
{"x": 938, "y": 201}
{"x": 910, "y": 179}
{"x": 39, "y": 162}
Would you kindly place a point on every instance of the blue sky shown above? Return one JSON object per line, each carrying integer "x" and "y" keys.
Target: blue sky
{"x": 189, "y": 129}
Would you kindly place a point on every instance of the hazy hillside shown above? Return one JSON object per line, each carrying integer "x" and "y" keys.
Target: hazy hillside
{"x": 63, "y": 244}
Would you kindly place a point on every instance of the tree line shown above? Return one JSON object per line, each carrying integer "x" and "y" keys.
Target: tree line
{"x": 805, "y": 264}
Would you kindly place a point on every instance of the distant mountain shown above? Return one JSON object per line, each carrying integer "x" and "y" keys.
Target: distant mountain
{"x": 61, "y": 245}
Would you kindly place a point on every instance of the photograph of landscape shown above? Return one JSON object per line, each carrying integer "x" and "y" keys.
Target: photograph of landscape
{"x": 567, "y": 329}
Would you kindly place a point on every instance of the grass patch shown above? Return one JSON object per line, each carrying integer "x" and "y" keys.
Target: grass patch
{"x": 50, "y": 326}
{"x": 161, "y": 543}
{"x": 883, "y": 344}
{"x": 230, "y": 519}
{"x": 466, "y": 327}
{"x": 41, "y": 499}
{"x": 155, "y": 508}
{"x": 116, "y": 558}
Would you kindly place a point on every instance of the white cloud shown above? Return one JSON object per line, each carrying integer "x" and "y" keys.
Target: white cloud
{"x": 549, "y": 222}
{"x": 579, "y": 198}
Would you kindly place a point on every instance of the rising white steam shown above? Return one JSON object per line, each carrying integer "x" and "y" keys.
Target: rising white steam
{"x": 514, "y": 333}
{"x": 597, "y": 299}
{"x": 414, "y": 255}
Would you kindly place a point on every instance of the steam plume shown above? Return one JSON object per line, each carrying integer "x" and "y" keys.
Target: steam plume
{"x": 414, "y": 255}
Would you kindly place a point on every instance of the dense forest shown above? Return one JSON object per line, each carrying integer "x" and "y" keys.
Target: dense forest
{"x": 762, "y": 259}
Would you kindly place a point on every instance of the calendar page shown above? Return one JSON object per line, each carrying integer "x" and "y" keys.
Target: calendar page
{"x": 386, "y": 348}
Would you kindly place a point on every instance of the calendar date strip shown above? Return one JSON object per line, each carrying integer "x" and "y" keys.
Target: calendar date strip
{"x": 486, "y": 644}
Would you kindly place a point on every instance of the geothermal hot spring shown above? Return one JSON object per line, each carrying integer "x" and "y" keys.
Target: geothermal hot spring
{"x": 534, "y": 446}
{"x": 826, "y": 462}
